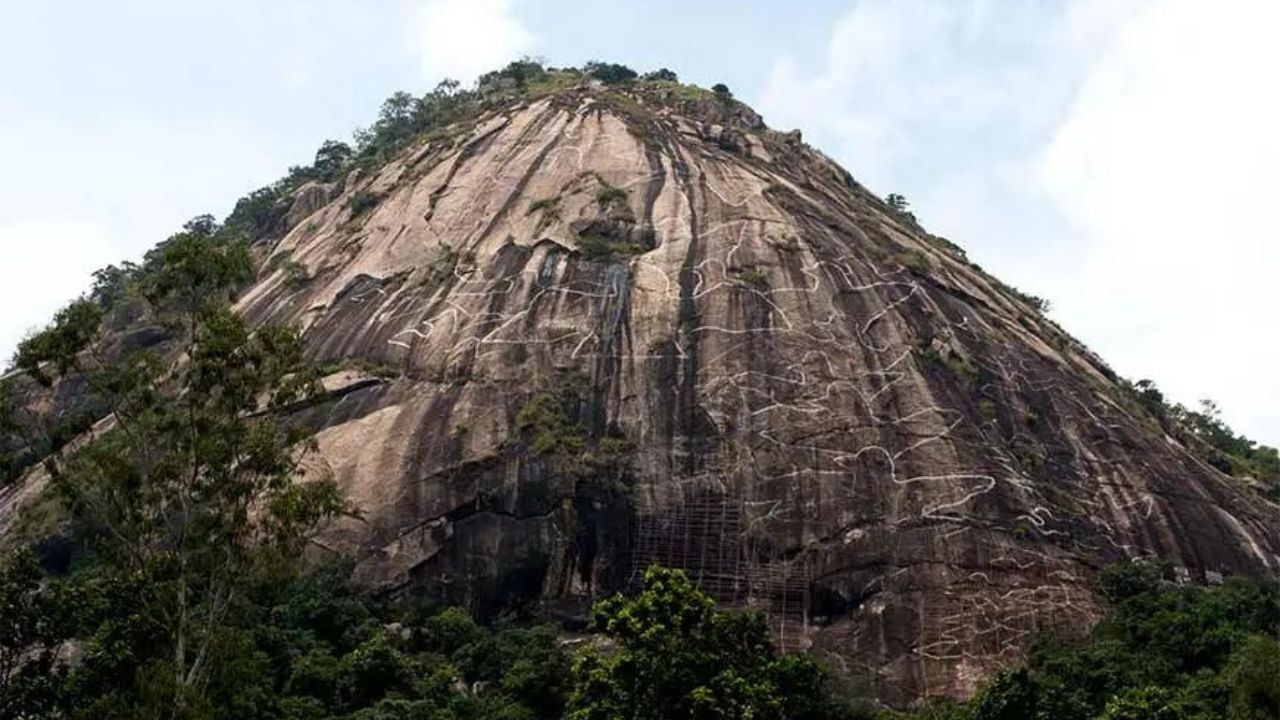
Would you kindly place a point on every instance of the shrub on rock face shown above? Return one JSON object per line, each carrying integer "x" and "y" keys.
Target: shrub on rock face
{"x": 663, "y": 75}
{"x": 722, "y": 90}
{"x": 610, "y": 73}
{"x": 331, "y": 158}
{"x": 362, "y": 202}
{"x": 1124, "y": 580}
{"x": 549, "y": 428}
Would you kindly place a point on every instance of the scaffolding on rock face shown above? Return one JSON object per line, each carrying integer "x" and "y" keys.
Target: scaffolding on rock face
{"x": 701, "y": 536}
{"x": 704, "y": 535}
{"x": 781, "y": 589}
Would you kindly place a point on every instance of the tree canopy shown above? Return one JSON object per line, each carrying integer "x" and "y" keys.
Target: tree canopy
{"x": 678, "y": 657}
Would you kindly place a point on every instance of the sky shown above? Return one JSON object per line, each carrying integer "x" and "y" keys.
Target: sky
{"x": 1117, "y": 157}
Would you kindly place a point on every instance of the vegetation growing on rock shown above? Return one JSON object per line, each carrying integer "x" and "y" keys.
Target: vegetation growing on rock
{"x": 1165, "y": 651}
{"x": 1218, "y": 444}
{"x": 787, "y": 442}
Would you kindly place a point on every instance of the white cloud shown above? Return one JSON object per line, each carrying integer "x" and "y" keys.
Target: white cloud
{"x": 47, "y": 261}
{"x": 904, "y": 78}
{"x": 123, "y": 185}
{"x": 1166, "y": 162}
{"x": 1115, "y": 156}
{"x": 461, "y": 39}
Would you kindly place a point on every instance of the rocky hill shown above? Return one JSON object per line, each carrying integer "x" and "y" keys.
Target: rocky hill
{"x": 598, "y": 327}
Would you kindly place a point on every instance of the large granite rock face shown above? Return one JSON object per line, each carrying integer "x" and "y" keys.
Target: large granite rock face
{"x": 589, "y": 333}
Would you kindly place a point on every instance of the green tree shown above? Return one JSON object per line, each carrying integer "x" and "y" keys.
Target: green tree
{"x": 1124, "y": 580}
{"x": 662, "y": 75}
{"x": 610, "y": 73}
{"x": 1142, "y": 703}
{"x": 111, "y": 283}
{"x": 1255, "y": 679}
{"x": 12, "y": 433}
{"x": 677, "y": 657}
{"x": 1011, "y": 696}
{"x": 57, "y": 349}
{"x": 194, "y": 481}
{"x": 331, "y": 159}
{"x": 33, "y": 627}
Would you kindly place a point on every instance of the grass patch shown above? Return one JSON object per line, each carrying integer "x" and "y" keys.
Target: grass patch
{"x": 948, "y": 246}
{"x": 550, "y": 431}
{"x": 754, "y": 276}
{"x": 600, "y": 248}
{"x": 957, "y": 365}
{"x": 362, "y": 202}
{"x": 549, "y": 206}
{"x": 987, "y": 410}
{"x": 915, "y": 261}
{"x": 295, "y": 274}
{"x": 609, "y": 195}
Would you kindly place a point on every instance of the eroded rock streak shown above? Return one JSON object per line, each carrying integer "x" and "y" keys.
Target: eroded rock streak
{"x": 814, "y": 407}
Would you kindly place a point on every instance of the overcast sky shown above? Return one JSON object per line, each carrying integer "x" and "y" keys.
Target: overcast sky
{"x": 1118, "y": 157}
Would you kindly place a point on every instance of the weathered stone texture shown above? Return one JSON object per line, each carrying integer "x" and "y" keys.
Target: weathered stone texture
{"x": 828, "y": 415}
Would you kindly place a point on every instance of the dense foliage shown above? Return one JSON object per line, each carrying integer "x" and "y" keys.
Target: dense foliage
{"x": 309, "y": 646}
{"x": 677, "y": 658}
{"x": 290, "y": 647}
{"x": 1223, "y": 448}
{"x": 1165, "y": 652}
{"x": 190, "y": 483}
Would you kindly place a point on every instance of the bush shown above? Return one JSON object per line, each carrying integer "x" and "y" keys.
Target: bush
{"x": 915, "y": 261}
{"x": 550, "y": 430}
{"x": 520, "y": 73}
{"x": 601, "y": 248}
{"x": 449, "y": 631}
{"x": 549, "y": 206}
{"x": 1124, "y": 580}
{"x": 677, "y": 657}
{"x": 610, "y": 73}
{"x": 722, "y": 91}
{"x": 608, "y": 195}
{"x": 662, "y": 75}
{"x": 295, "y": 274}
{"x": 362, "y": 202}
{"x": 987, "y": 410}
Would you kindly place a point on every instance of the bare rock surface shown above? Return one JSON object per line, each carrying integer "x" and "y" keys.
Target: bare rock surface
{"x": 589, "y": 333}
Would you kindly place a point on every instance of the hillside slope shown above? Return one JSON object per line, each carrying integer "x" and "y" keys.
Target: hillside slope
{"x": 604, "y": 328}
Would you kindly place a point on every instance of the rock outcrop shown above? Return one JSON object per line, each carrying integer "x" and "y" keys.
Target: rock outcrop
{"x": 600, "y": 330}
